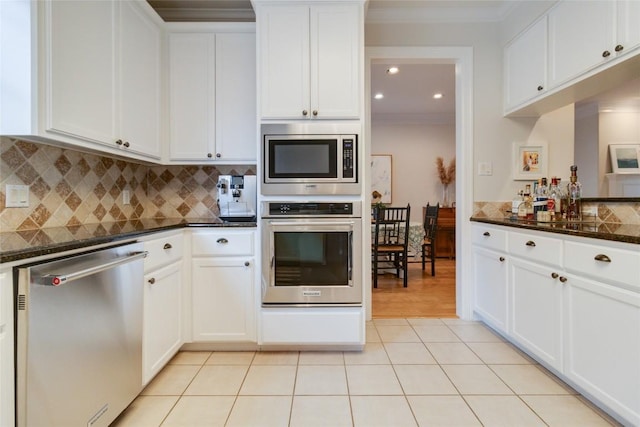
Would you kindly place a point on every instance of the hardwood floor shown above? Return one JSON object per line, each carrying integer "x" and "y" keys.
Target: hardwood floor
{"x": 424, "y": 296}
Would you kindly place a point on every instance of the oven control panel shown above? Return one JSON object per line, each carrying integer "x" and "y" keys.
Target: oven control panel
{"x": 306, "y": 209}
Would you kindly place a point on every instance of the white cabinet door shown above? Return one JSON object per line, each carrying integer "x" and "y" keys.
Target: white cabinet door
{"x": 6, "y": 349}
{"x": 140, "y": 68}
{"x": 536, "y": 310}
{"x": 603, "y": 343}
{"x": 628, "y": 26}
{"x": 335, "y": 61}
{"x": 236, "y": 120}
{"x": 80, "y": 66}
{"x": 310, "y": 61}
{"x": 192, "y": 96}
{"x": 162, "y": 333}
{"x": 525, "y": 65}
{"x": 578, "y": 45}
{"x": 223, "y": 299}
{"x": 212, "y": 97}
{"x": 284, "y": 61}
{"x": 491, "y": 273}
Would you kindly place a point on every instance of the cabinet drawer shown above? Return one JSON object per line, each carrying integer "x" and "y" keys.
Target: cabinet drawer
{"x": 163, "y": 251}
{"x": 606, "y": 264}
{"x": 222, "y": 243}
{"x": 489, "y": 237}
{"x": 534, "y": 247}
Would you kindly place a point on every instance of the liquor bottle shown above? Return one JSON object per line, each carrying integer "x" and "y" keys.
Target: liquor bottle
{"x": 554, "y": 202}
{"x": 515, "y": 204}
{"x": 541, "y": 196}
{"x": 525, "y": 210}
{"x": 574, "y": 196}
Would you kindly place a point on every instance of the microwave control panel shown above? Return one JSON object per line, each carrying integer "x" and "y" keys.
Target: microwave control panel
{"x": 348, "y": 153}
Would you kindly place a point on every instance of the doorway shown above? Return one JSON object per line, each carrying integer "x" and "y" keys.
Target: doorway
{"x": 461, "y": 59}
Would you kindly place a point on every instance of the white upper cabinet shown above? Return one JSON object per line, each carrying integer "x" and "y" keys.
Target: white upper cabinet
{"x": 212, "y": 95}
{"x": 569, "y": 53}
{"x": 84, "y": 73}
{"x": 579, "y": 44}
{"x": 309, "y": 59}
{"x": 525, "y": 62}
{"x": 103, "y": 66}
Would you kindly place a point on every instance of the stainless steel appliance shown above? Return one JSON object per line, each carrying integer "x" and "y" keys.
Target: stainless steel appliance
{"x": 311, "y": 253}
{"x": 237, "y": 197}
{"x": 310, "y": 159}
{"x": 79, "y": 337}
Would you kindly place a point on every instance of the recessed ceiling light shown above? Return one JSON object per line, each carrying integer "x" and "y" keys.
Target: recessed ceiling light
{"x": 378, "y": 96}
{"x": 437, "y": 96}
{"x": 392, "y": 70}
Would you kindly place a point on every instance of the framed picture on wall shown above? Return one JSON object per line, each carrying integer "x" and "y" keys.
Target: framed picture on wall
{"x": 625, "y": 158}
{"x": 530, "y": 162}
{"x": 381, "y": 175}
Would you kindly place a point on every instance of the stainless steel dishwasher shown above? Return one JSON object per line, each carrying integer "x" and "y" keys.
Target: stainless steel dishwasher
{"x": 79, "y": 337}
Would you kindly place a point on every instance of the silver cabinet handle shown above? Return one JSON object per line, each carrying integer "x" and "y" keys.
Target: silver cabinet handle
{"x": 602, "y": 258}
{"x": 222, "y": 240}
{"x": 100, "y": 265}
{"x": 531, "y": 243}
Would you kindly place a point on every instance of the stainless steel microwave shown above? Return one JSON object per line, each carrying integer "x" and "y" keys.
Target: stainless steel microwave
{"x": 310, "y": 159}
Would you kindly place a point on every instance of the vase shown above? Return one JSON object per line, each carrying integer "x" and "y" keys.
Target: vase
{"x": 445, "y": 195}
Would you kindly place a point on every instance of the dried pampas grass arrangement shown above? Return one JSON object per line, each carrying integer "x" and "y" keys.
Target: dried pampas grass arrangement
{"x": 446, "y": 175}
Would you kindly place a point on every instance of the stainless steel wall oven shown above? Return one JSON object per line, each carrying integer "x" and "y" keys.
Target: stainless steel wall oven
{"x": 312, "y": 253}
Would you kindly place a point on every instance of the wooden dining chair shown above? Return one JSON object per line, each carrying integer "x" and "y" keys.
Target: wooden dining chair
{"x": 390, "y": 241}
{"x": 429, "y": 243}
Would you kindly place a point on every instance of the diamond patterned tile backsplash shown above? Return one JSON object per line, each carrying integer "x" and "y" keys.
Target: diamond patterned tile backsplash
{"x": 68, "y": 187}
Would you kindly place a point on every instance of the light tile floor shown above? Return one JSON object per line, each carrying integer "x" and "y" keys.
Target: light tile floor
{"x": 412, "y": 372}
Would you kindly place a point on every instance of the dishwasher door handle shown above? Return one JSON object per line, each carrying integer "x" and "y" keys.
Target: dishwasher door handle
{"x": 100, "y": 265}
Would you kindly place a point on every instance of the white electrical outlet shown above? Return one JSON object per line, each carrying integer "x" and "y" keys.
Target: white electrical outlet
{"x": 17, "y": 196}
{"x": 485, "y": 168}
{"x": 126, "y": 197}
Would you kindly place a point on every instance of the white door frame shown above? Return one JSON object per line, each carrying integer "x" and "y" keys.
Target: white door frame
{"x": 462, "y": 57}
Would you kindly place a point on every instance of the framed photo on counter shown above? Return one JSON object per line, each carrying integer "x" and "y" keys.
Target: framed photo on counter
{"x": 530, "y": 162}
{"x": 625, "y": 158}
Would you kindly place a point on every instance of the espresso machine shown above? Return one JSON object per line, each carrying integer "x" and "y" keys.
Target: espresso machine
{"x": 237, "y": 198}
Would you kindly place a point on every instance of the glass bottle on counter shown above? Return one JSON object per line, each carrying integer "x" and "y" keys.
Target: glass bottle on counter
{"x": 574, "y": 196}
{"x": 541, "y": 196}
{"x": 525, "y": 210}
{"x": 515, "y": 204}
{"x": 554, "y": 202}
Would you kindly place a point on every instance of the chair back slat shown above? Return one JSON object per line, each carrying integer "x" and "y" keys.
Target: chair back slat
{"x": 392, "y": 225}
{"x": 431, "y": 220}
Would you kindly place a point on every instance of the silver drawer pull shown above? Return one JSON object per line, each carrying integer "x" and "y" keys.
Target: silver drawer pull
{"x": 602, "y": 258}
{"x": 531, "y": 243}
{"x": 486, "y": 233}
{"x": 222, "y": 240}
{"x": 167, "y": 246}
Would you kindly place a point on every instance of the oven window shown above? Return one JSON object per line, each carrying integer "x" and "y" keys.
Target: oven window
{"x": 303, "y": 158}
{"x": 311, "y": 258}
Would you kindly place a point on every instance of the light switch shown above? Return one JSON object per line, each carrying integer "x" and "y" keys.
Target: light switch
{"x": 485, "y": 168}
{"x": 17, "y": 196}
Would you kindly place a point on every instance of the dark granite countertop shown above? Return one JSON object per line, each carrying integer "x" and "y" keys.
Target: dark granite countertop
{"x": 19, "y": 245}
{"x": 627, "y": 233}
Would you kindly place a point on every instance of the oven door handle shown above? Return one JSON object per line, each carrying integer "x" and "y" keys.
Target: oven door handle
{"x": 314, "y": 223}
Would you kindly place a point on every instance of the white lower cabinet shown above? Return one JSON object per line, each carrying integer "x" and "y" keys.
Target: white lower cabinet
{"x": 536, "y": 310}
{"x": 222, "y": 286}
{"x": 602, "y": 343}
{"x": 490, "y": 268}
{"x": 572, "y": 303}
{"x": 162, "y": 312}
{"x": 6, "y": 349}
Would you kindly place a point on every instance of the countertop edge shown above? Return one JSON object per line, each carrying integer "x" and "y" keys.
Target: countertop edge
{"x": 54, "y": 248}
{"x": 546, "y": 227}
